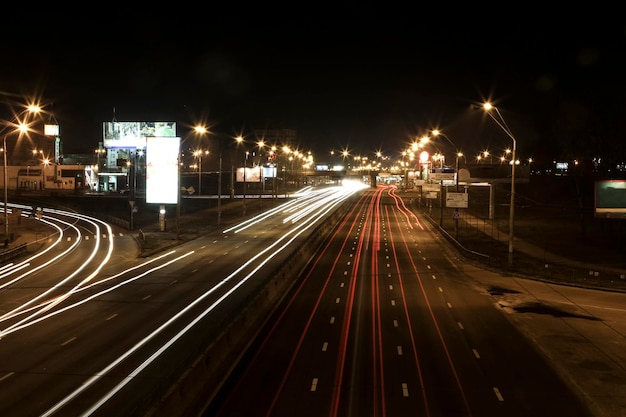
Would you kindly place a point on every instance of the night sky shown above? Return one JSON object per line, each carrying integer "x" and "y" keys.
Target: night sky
{"x": 361, "y": 82}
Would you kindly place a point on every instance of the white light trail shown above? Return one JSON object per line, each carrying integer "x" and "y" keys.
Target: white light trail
{"x": 284, "y": 242}
{"x": 56, "y": 300}
{"x": 26, "y": 262}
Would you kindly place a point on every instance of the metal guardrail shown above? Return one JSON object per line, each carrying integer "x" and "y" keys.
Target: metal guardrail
{"x": 118, "y": 222}
{"x": 10, "y": 254}
{"x": 536, "y": 265}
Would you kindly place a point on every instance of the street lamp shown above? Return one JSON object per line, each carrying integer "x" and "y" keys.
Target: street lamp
{"x": 44, "y": 164}
{"x": 6, "y": 192}
{"x": 240, "y": 140}
{"x": 204, "y": 131}
{"x": 21, "y": 127}
{"x": 502, "y": 123}
{"x": 219, "y": 188}
{"x": 40, "y": 152}
{"x": 458, "y": 156}
{"x": 274, "y": 158}
{"x": 198, "y": 154}
{"x": 100, "y": 151}
{"x": 404, "y": 168}
{"x": 261, "y": 145}
{"x": 289, "y": 157}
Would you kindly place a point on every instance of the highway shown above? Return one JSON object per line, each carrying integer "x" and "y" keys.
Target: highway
{"x": 87, "y": 328}
{"x": 385, "y": 321}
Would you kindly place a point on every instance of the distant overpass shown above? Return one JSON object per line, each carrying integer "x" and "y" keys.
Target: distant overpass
{"x": 483, "y": 173}
{"x": 338, "y": 176}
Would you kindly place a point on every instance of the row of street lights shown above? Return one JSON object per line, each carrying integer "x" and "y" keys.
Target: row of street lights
{"x": 497, "y": 117}
{"x": 407, "y": 157}
{"x": 240, "y": 142}
{"x": 18, "y": 124}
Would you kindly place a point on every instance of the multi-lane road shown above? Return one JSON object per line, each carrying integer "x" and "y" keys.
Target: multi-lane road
{"x": 384, "y": 320}
{"x": 87, "y": 328}
{"x": 385, "y": 323}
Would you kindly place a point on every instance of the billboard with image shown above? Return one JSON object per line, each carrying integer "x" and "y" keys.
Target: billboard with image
{"x": 133, "y": 134}
{"x": 252, "y": 174}
{"x": 610, "y": 198}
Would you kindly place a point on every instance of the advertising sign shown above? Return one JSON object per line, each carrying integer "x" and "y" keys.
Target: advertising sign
{"x": 134, "y": 134}
{"x": 162, "y": 177}
{"x": 442, "y": 176}
{"x": 252, "y": 174}
{"x": 610, "y": 198}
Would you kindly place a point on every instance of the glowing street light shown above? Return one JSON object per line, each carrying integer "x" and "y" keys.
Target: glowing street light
{"x": 44, "y": 163}
{"x": 201, "y": 130}
{"x": 239, "y": 139}
{"x": 40, "y": 152}
{"x": 21, "y": 127}
{"x": 198, "y": 155}
{"x": 490, "y": 109}
{"x": 404, "y": 168}
{"x": 459, "y": 154}
{"x": 261, "y": 146}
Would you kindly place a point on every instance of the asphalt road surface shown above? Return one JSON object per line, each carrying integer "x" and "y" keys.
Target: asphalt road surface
{"x": 386, "y": 322}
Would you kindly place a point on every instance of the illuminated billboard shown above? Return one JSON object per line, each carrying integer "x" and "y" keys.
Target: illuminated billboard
{"x": 133, "y": 134}
{"x": 51, "y": 130}
{"x": 162, "y": 179}
{"x": 610, "y": 198}
{"x": 252, "y": 175}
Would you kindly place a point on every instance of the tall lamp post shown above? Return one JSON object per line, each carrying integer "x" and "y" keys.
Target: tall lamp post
{"x": 245, "y": 184}
{"x": 44, "y": 164}
{"x": 219, "y": 188}
{"x": 20, "y": 127}
{"x": 456, "y": 212}
{"x": 488, "y": 107}
{"x": 198, "y": 154}
{"x": 404, "y": 168}
{"x": 6, "y": 188}
{"x": 261, "y": 145}
{"x": 204, "y": 131}
{"x": 40, "y": 152}
{"x": 458, "y": 154}
{"x": 240, "y": 140}
{"x": 274, "y": 159}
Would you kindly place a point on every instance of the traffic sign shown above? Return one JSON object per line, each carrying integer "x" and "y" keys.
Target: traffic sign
{"x": 457, "y": 200}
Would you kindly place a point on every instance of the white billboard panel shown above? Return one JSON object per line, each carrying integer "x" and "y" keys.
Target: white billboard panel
{"x": 456, "y": 200}
{"x": 134, "y": 134}
{"x": 162, "y": 179}
{"x": 51, "y": 130}
{"x": 450, "y": 176}
{"x": 269, "y": 172}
